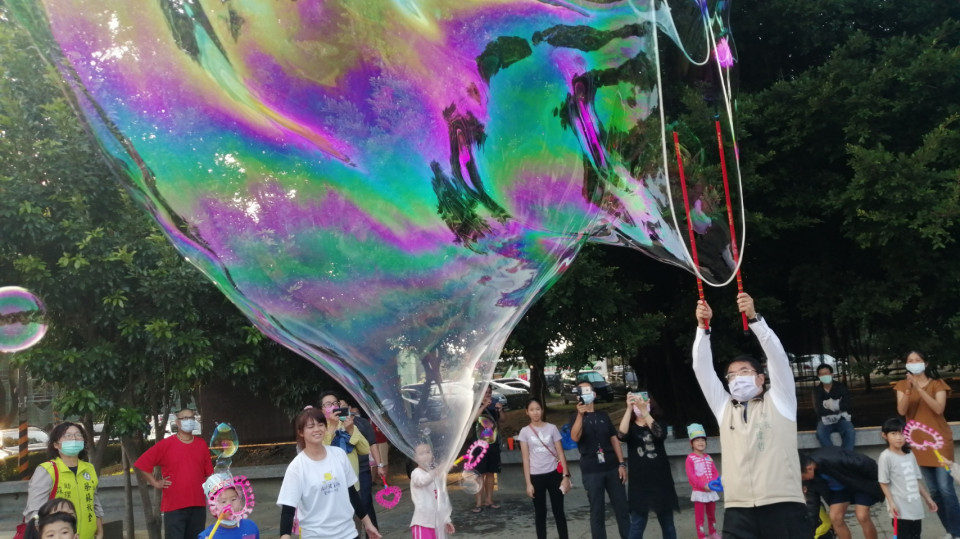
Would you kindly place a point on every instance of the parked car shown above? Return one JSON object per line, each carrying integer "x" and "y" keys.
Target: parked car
{"x": 516, "y": 397}
{"x": 9, "y": 441}
{"x": 442, "y": 398}
{"x": 554, "y": 382}
{"x": 601, "y": 387}
{"x": 518, "y": 383}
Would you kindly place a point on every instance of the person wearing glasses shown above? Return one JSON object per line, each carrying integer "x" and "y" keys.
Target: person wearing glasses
{"x": 342, "y": 431}
{"x": 68, "y": 477}
{"x": 762, "y": 490}
{"x": 184, "y": 462}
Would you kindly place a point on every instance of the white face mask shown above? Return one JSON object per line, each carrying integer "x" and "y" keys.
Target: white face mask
{"x": 744, "y": 388}
{"x": 188, "y": 425}
{"x": 916, "y": 368}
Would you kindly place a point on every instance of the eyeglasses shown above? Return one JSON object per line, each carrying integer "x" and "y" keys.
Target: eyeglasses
{"x": 76, "y": 436}
{"x": 746, "y": 371}
{"x": 330, "y": 404}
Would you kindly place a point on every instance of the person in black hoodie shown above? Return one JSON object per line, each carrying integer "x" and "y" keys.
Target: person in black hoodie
{"x": 842, "y": 477}
{"x": 832, "y": 402}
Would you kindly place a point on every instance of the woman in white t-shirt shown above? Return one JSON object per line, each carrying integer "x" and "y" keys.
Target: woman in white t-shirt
{"x": 318, "y": 487}
{"x": 542, "y": 453}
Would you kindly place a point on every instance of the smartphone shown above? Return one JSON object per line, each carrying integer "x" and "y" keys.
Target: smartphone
{"x": 343, "y": 413}
{"x": 644, "y": 395}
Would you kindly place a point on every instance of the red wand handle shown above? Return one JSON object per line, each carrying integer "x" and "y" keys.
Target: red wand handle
{"x": 686, "y": 206}
{"x": 733, "y": 233}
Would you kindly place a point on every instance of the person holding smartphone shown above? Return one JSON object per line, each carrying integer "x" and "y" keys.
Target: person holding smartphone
{"x": 342, "y": 432}
{"x": 602, "y": 466}
{"x": 650, "y": 485}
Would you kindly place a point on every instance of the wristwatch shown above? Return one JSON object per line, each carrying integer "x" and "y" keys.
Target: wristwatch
{"x": 623, "y": 464}
{"x": 756, "y": 318}
{"x": 381, "y": 465}
{"x": 566, "y": 475}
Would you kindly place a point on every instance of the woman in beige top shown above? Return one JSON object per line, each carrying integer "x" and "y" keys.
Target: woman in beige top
{"x": 922, "y": 397}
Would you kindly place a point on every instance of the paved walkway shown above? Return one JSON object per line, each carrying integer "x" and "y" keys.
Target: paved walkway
{"x": 515, "y": 517}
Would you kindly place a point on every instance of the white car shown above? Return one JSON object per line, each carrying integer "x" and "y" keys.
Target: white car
{"x": 9, "y": 446}
{"x": 518, "y": 383}
{"x": 507, "y": 390}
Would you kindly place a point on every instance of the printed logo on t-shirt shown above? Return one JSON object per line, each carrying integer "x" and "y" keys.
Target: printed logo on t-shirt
{"x": 911, "y": 486}
{"x": 330, "y": 484}
{"x": 543, "y": 447}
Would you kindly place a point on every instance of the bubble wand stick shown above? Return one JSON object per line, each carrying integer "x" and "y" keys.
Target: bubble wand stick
{"x": 219, "y": 518}
{"x": 686, "y": 206}
{"x": 733, "y": 233}
{"x": 937, "y": 443}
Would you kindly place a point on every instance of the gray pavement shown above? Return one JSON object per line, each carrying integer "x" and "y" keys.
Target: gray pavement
{"x": 515, "y": 517}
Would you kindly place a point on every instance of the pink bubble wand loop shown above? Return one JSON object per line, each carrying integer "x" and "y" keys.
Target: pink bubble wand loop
{"x": 389, "y": 495}
{"x": 936, "y": 444}
{"x": 471, "y": 458}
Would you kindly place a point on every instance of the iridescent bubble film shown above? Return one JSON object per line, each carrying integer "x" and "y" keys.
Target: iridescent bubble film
{"x": 385, "y": 186}
{"x": 22, "y": 319}
{"x": 486, "y": 429}
{"x": 224, "y": 442}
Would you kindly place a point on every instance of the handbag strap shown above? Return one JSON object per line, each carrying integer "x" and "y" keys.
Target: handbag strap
{"x": 56, "y": 479}
{"x": 539, "y": 439}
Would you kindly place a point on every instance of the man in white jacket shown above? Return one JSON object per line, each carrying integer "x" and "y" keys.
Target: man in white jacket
{"x": 762, "y": 492}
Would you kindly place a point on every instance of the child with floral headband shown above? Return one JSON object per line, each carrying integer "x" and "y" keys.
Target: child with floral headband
{"x": 230, "y": 501}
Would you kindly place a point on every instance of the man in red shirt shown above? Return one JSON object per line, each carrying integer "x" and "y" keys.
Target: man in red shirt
{"x": 184, "y": 463}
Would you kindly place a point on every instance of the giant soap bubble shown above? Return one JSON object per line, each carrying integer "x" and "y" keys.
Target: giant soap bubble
{"x": 22, "y": 319}
{"x": 385, "y": 186}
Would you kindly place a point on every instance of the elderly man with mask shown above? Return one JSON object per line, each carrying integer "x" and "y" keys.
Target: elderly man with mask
{"x": 763, "y": 496}
{"x": 602, "y": 466}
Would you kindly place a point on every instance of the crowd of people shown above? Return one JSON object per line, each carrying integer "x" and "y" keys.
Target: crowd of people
{"x": 769, "y": 488}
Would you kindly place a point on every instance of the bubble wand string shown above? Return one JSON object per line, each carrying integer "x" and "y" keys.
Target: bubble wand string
{"x": 915, "y": 426}
{"x": 686, "y": 206}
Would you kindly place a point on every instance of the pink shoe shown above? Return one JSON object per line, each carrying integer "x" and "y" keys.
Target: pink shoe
{"x": 714, "y": 535}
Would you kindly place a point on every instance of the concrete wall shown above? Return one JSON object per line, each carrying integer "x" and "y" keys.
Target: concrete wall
{"x": 267, "y": 478}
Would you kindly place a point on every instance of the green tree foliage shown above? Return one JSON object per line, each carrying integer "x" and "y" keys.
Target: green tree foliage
{"x": 855, "y": 201}
{"x": 134, "y": 328}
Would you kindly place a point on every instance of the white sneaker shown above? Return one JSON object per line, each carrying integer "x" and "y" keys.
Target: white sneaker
{"x": 948, "y": 536}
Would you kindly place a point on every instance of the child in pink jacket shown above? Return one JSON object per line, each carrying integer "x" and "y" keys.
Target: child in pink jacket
{"x": 705, "y": 481}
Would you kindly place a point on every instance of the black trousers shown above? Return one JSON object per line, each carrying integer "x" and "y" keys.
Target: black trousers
{"x": 787, "y": 520}
{"x": 366, "y": 493}
{"x": 908, "y": 529}
{"x": 186, "y": 523}
{"x": 544, "y": 485}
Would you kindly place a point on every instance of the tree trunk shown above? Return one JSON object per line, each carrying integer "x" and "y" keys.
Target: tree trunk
{"x": 151, "y": 509}
{"x": 127, "y": 493}
{"x": 538, "y": 382}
